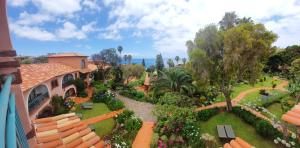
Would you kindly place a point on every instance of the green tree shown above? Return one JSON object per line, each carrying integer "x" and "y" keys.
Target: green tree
{"x": 125, "y": 58}
{"x": 170, "y": 63}
{"x": 120, "y": 49}
{"x": 220, "y": 57}
{"x": 177, "y": 58}
{"x": 172, "y": 79}
{"x": 132, "y": 70}
{"x": 183, "y": 61}
{"x": 108, "y": 56}
{"x": 229, "y": 20}
{"x": 129, "y": 58}
{"x": 159, "y": 62}
{"x": 294, "y": 86}
{"x": 143, "y": 62}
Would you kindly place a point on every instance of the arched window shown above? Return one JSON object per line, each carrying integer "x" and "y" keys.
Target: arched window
{"x": 37, "y": 96}
{"x": 70, "y": 93}
{"x": 82, "y": 64}
{"x": 67, "y": 78}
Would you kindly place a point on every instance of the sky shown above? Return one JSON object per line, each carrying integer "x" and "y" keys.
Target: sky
{"x": 143, "y": 28}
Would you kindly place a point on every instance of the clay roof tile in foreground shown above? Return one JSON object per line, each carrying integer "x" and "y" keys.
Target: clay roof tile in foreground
{"x": 292, "y": 116}
{"x": 237, "y": 143}
{"x": 65, "y": 131}
{"x": 34, "y": 74}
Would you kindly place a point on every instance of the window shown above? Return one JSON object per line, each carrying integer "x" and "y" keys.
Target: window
{"x": 54, "y": 83}
{"x": 82, "y": 64}
{"x": 67, "y": 78}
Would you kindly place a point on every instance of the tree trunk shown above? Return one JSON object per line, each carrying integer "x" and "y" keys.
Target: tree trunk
{"x": 228, "y": 102}
{"x": 297, "y": 98}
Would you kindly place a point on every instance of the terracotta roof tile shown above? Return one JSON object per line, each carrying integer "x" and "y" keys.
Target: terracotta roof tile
{"x": 34, "y": 74}
{"x": 61, "y": 134}
{"x": 70, "y": 54}
{"x": 292, "y": 116}
{"x": 237, "y": 143}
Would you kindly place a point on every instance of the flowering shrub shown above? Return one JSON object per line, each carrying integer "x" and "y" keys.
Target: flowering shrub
{"x": 176, "y": 127}
{"x": 115, "y": 105}
{"x": 127, "y": 127}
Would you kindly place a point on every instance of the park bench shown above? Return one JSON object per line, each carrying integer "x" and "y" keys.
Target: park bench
{"x": 225, "y": 132}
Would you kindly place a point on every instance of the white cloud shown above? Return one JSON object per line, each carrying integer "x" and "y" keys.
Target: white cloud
{"x": 111, "y": 35}
{"x": 33, "y": 19}
{"x": 70, "y": 31}
{"x": 58, "y": 7}
{"x": 32, "y": 33}
{"x": 18, "y": 3}
{"x": 91, "y": 4}
{"x": 172, "y": 23}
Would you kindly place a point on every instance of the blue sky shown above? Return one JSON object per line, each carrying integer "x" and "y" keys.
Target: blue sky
{"x": 143, "y": 27}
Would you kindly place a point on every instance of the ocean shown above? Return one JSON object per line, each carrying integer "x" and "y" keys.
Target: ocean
{"x": 148, "y": 62}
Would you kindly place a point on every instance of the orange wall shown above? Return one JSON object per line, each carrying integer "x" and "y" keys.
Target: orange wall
{"x": 70, "y": 61}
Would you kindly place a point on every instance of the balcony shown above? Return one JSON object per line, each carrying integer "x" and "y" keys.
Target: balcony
{"x": 37, "y": 101}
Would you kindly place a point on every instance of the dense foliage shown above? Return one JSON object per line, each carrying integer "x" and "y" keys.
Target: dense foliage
{"x": 60, "y": 105}
{"x": 159, "y": 62}
{"x": 132, "y": 70}
{"x": 80, "y": 87}
{"x": 204, "y": 115}
{"x": 236, "y": 52}
{"x": 127, "y": 127}
{"x": 176, "y": 127}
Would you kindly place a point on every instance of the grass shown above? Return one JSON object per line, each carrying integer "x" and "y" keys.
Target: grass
{"x": 241, "y": 129}
{"x": 276, "y": 110}
{"x": 242, "y": 87}
{"x": 104, "y": 127}
{"x": 255, "y": 97}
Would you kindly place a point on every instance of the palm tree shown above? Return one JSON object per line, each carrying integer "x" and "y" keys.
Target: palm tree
{"x": 125, "y": 58}
{"x": 129, "y": 58}
{"x": 172, "y": 79}
{"x": 120, "y": 49}
{"x": 177, "y": 58}
{"x": 170, "y": 63}
{"x": 183, "y": 61}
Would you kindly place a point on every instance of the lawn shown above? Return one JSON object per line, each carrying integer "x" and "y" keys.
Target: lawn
{"x": 104, "y": 127}
{"x": 276, "y": 110}
{"x": 242, "y": 87}
{"x": 241, "y": 129}
{"x": 255, "y": 97}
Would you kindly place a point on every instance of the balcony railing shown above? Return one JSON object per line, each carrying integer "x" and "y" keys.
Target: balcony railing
{"x": 37, "y": 101}
{"x": 12, "y": 134}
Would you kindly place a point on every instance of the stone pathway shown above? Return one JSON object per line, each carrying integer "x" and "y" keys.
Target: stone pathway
{"x": 142, "y": 110}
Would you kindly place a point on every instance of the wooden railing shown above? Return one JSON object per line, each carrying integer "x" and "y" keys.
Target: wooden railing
{"x": 12, "y": 134}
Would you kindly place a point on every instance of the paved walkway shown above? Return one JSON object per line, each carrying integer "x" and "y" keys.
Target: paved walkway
{"x": 102, "y": 117}
{"x": 237, "y": 99}
{"x": 144, "y": 136}
{"x": 142, "y": 110}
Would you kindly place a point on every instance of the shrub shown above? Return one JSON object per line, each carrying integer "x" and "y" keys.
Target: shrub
{"x": 171, "y": 98}
{"x": 79, "y": 84}
{"x": 82, "y": 94}
{"x": 245, "y": 115}
{"x": 115, "y": 105}
{"x": 133, "y": 124}
{"x": 154, "y": 141}
{"x": 265, "y": 129}
{"x": 100, "y": 88}
{"x": 59, "y": 106}
{"x": 104, "y": 98}
{"x": 204, "y": 115}
{"x": 263, "y": 92}
{"x": 121, "y": 118}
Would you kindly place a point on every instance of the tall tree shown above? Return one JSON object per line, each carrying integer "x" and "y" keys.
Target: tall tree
{"x": 170, "y": 63}
{"x": 219, "y": 57}
{"x": 135, "y": 70}
{"x": 129, "y": 58}
{"x": 108, "y": 56}
{"x": 125, "y": 58}
{"x": 143, "y": 62}
{"x": 159, "y": 62}
{"x": 120, "y": 49}
{"x": 183, "y": 61}
{"x": 177, "y": 58}
{"x": 229, "y": 20}
{"x": 294, "y": 86}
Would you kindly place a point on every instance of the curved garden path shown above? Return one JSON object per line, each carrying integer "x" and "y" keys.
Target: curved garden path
{"x": 241, "y": 95}
{"x": 142, "y": 110}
